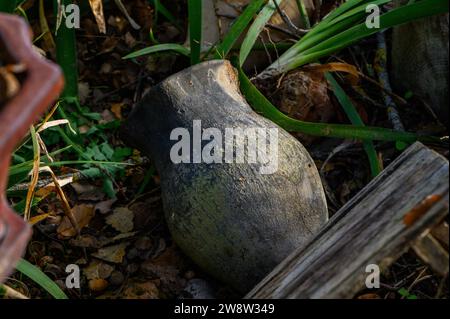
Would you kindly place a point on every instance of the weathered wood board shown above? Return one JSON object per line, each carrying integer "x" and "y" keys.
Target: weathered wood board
{"x": 375, "y": 227}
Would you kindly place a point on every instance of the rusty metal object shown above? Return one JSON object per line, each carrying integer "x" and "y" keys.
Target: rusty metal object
{"x": 40, "y": 86}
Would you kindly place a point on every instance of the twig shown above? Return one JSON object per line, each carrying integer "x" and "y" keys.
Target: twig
{"x": 360, "y": 91}
{"x": 381, "y": 64}
{"x": 65, "y": 203}
{"x": 386, "y": 90}
{"x": 418, "y": 279}
{"x": 10, "y": 293}
{"x": 127, "y": 15}
{"x": 432, "y": 113}
{"x": 336, "y": 150}
{"x": 298, "y": 31}
{"x": 283, "y": 30}
{"x": 269, "y": 58}
{"x": 441, "y": 287}
{"x": 269, "y": 25}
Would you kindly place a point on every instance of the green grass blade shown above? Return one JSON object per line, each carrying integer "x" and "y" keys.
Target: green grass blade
{"x": 330, "y": 18}
{"x": 36, "y": 148}
{"x": 316, "y": 37}
{"x": 178, "y": 48}
{"x": 256, "y": 28}
{"x": 195, "y": 29}
{"x": 8, "y": 6}
{"x": 392, "y": 18}
{"x": 66, "y": 56}
{"x": 237, "y": 28}
{"x": 303, "y": 13}
{"x": 40, "y": 278}
{"x": 263, "y": 106}
{"x": 321, "y": 44}
{"x": 21, "y": 168}
{"x": 355, "y": 14}
{"x": 346, "y": 6}
{"x": 354, "y": 117}
{"x": 356, "y": 10}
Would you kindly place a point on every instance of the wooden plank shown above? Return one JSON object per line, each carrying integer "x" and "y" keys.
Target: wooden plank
{"x": 375, "y": 227}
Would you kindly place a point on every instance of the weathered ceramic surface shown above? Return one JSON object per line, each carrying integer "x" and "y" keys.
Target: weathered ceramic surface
{"x": 230, "y": 219}
{"x": 41, "y": 86}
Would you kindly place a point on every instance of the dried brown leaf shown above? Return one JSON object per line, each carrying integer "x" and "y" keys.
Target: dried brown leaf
{"x": 82, "y": 215}
{"x": 121, "y": 220}
{"x": 97, "y": 10}
{"x": 113, "y": 254}
{"x": 98, "y": 270}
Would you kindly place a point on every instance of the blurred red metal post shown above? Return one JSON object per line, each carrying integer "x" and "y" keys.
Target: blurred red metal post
{"x": 40, "y": 87}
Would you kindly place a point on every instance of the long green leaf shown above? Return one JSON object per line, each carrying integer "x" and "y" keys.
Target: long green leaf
{"x": 392, "y": 18}
{"x": 356, "y": 10}
{"x": 256, "y": 28}
{"x": 337, "y": 24}
{"x": 19, "y": 169}
{"x": 178, "y": 48}
{"x": 8, "y": 6}
{"x": 40, "y": 278}
{"x": 331, "y": 17}
{"x": 343, "y": 34}
{"x": 195, "y": 29}
{"x": 66, "y": 55}
{"x": 354, "y": 117}
{"x": 308, "y": 42}
{"x": 345, "y": 7}
{"x": 263, "y": 106}
{"x": 303, "y": 13}
{"x": 238, "y": 27}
